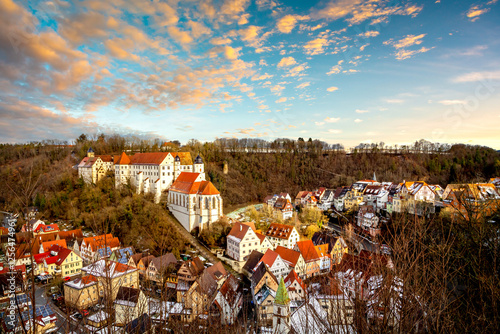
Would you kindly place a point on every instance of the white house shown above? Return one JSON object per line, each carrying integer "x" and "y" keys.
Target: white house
{"x": 241, "y": 241}
{"x": 92, "y": 168}
{"x": 275, "y": 263}
{"x": 229, "y": 300}
{"x": 194, "y": 201}
{"x": 282, "y": 235}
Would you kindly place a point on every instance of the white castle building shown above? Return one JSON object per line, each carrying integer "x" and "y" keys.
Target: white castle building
{"x": 92, "y": 168}
{"x": 194, "y": 201}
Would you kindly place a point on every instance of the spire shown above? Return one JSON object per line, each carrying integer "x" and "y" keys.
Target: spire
{"x": 281, "y": 294}
{"x": 177, "y": 159}
{"x": 374, "y": 177}
{"x": 198, "y": 160}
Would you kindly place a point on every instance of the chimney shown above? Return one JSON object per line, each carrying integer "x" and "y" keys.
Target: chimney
{"x": 241, "y": 227}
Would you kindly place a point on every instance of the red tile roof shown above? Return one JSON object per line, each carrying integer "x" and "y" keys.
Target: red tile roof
{"x": 292, "y": 276}
{"x": 307, "y": 250}
{"x": 46, "y": 245}
{"x": 288, "y": 255}
{"x": 281, "y": 231}
{"x": 122, "y": 159}
{"x": 105, "y": 158}
{"x": 207, "y": 188}
{"x": 269, "y": 257}
{"x": 186, "y": 184}
{"x": 47, "y": 228}
{"x": 239, "y": 230}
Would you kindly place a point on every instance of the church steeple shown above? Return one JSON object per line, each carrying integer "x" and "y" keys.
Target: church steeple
{"x": 281, "y": 310}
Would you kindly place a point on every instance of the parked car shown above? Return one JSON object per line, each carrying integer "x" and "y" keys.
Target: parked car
{"x": 67, "y": 278}
{"x": 85, "y": 313}
{"x": 78, "y": 315}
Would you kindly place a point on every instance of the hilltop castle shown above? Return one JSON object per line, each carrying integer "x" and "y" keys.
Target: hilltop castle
{"x": 194, "y": 201}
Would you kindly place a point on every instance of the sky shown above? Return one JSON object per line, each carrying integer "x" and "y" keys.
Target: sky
{"x": 342, "y": 71}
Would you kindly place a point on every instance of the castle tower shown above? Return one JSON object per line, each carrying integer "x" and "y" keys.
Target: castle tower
{"x": 281, "y": 310}
{"x": 177, "y": 167}
{"x": 90, "y": 153}
{"x": 198, "y": 167}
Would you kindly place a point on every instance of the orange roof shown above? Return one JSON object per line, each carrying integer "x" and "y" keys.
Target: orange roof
{"x": 186, "y": 184}
{"x": 71, "y": 234}
{"x": 102, "y": 241}
{"x": 308, "y": 250}
{"x": 153, "y": 158}
{"x": 288, "y": 255}
{"x": 105, "y": 158}
{"x": 239, "y": 230}
{"x": 281, "y": 231}
{"x": 260, "y": 236}
{"x": 46, "y": 245}
{"x": 292, "y": 276}
{"x": 122, "y": 159}
{"x": 269, "y": 257}
{"x": 322, "y": 250}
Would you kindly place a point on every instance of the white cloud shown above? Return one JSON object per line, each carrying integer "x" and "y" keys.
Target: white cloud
{"x": 303, "y": 85}
{"x": 281, "y": 100}
{"x": 286, "y": 62}
{"x": 477, "y": 76}
{"x": 332, "y": 119}
{"x": 452, "y": 102}
{"x": 319, "y": 123}
{"x": 394, "y": 101}
{"x": 357, "y": 120}
{"x": 335, "y": 131}
{"x": 360, "y": 111}
{"x": 332, "y": 89}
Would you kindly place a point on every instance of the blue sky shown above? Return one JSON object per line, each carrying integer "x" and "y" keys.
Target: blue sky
{"x": 340, "y": 71}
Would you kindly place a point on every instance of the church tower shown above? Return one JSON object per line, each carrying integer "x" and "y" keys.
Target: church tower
{"x": 177, "y": 167}
{"x": 281, "y": 310}
{"x": 199, "y": 167}
{"x": 90, "y": 153}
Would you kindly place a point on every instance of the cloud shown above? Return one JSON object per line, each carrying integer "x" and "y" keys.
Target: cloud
{"x": 332, "y": 89}
{"x": 316, "y": 46}
{"x": 198, "y": 29}
{"x": 408, "y": 41}
{"x": 336, "y": 69}
{"x": 251, "y": 36}
{"x": 303, "y": 85}
{"x": 220, "y": 41}
{"x": 357, "y": 120}
{"x": 452, "y": 102}
{"x": 477, "y": 10}
{"x": 286, "y": 62}
{"x": 180, "y": 36}
{"x": 277, "y": 89}
{"x": 319, "y": 123}
{"x": 288, "y": 22}
{"x": 361, "y": 111}
{"x": 335, "y": 131}
{"x": 402, "y": 45}
{"x": 357, "y": 11}
{"x": 477, "y": 76}
{"x": 332, "y": 119}
{"x": 297, "y": 70}
{"x": 394, "y": 101}
{"x": 367, "y": 34}
{"x": 262, "y": 77}
{"x": 281, "y": 100}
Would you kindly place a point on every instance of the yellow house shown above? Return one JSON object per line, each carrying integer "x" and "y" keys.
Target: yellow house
{"x": 353, "y": 199}
{"x": 110, "y": 276}
{"x": 58, "y": 261}
{"x": 339, "y": 249}
{"x": 130, "y": 304}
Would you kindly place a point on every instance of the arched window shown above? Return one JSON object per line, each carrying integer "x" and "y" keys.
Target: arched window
{"x": 206, "y": 204}
{"x": 213, "y": 203}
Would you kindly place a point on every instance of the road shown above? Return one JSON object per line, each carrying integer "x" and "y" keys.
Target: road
{"x": 366, "y": 243}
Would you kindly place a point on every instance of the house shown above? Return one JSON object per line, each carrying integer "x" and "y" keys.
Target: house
{"x": 143, "y": 265}
{"x": 263, "y": 301}
{"x": 130, "y": 303}
{"x": 326, "y": 201}
{"x": 339, "y": 197}
{"x": 251, "y": 264}
{"x": 93, "y": 168}
{"x": 45, "y": 320}
{"x": 495, "y": 181}
{"x": 367, "y": 219}
{"x": 100, "y": 280}
{"x": 293, "y": 259}
{"x": 158, "y": 268}
{"x": 283, "y": 208}
{"x": 195, "y": 203}
{"x": 32, "y": 225}
{"x": 241, "y": 241}
{"x": 472, "y": 201}
{"x": 282, "y": 235}
{"x": 190, "y": 270}
{"x": 218, "y": 273}
{"x": 275, "y": 263}
{"x": 337, "y": 304}
{"x": 352, "y": 274}
{"x": 98, "y": 321}
{"x": 199, "y": 296}
{"x": 296, "y": 288}
{"x": 271, "y": 200}
{"x": 122, "y": 255}
{"x": 95, "y": 248}
{"x": 263, "y": 276}
{"x": 142, "y": 325}
{"x": 311, "y": 257}
{"x": 371, "y": 193}
{"x": 325, "y": 259}
{"x": 43, "y": 229}
{"x": 58, "y": 261}
{"x": 154, "y": 172}
{"x": 340, "y": 248}
{"x": 71, "y": 238}
{"x": 133, "y": 261}
{"x": 229, "y": 300}
{"x": 325, "y": 237}
{"x": 45, "y": 246}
